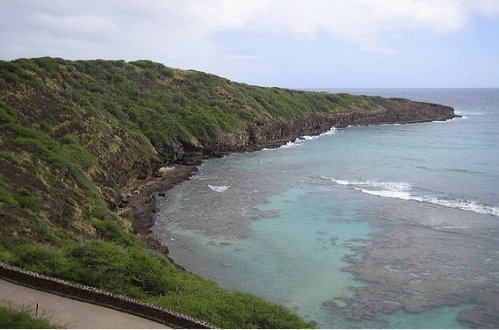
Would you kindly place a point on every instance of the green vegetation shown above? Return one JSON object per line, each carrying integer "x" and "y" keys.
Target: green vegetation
{"x": 12, "y": 319}
{"x": 138, "y": 273}
{"x": 74, "y": 137}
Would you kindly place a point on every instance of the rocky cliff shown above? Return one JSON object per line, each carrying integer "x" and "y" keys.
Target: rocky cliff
{"x": 278, "y": 130}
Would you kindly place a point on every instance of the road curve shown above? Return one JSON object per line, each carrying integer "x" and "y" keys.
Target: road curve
{"x": 69, "y": 313}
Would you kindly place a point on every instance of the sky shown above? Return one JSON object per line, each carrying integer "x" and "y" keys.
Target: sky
{"x": 284, "y": 43}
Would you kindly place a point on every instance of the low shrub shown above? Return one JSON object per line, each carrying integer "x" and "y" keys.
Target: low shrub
{"x": 14, "y": 319}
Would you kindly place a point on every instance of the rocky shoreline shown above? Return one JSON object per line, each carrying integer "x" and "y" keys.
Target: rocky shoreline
{"x": 256, "y": 136}
{"x": 142, "y": 203}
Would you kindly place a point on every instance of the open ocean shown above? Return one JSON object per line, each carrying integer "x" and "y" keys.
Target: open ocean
{"x": 393, "y": 226}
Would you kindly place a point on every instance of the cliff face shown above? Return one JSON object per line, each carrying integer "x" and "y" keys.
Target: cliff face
{"x": 277, "y": 130}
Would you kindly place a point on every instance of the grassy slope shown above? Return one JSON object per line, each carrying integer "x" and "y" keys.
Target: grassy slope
{"x": 75, "y": 134}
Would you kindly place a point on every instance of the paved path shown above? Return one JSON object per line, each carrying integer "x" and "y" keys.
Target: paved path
{"x": 69, "y": 313}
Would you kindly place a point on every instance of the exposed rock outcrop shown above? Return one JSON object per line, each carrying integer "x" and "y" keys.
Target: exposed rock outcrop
{"x": 277, "y": 130}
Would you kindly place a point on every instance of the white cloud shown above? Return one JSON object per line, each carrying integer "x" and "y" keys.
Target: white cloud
{"x": 86, "y": 24}
{"x": 487, "y": 7}
{"x": 360, "y": 21}
{"x": 183, "y": 32}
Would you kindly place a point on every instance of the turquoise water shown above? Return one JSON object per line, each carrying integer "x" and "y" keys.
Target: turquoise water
{"x": 381, "y": 226}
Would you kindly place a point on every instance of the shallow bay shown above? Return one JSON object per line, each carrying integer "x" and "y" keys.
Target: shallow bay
{"x": 378, "y": 226}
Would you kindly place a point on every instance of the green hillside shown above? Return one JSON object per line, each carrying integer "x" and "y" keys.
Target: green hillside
{"x": 75, "y": 136}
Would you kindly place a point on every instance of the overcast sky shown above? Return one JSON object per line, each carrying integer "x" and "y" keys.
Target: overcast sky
{"x": 287, "y": 43}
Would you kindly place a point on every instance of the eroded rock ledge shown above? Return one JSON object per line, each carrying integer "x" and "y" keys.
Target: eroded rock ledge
{"x": 278, "y": 130}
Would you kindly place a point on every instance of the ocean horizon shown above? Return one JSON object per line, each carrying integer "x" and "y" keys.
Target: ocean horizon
{"x": 382, "y": 226}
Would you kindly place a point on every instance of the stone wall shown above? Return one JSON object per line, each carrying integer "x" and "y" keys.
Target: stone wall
{"x": 99, "y": 297}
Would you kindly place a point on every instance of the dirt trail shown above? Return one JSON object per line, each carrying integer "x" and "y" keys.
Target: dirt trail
{"x": 69, "y": 313}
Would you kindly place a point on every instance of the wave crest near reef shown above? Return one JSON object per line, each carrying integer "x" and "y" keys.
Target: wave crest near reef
{"x": 404, "y": 191}
{"x": 218, "y": 188}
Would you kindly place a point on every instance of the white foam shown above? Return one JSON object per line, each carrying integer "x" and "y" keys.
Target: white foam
{"x": 292, "y": 144}
{"x": 342, "y": 182}
{"x": 331, "y": 131}
{"x": 387, "y": 193}
{"x": 309, "y": 137}
{"x": 388, "y": 186}
{"x": 218, "y": 188}
{"x": 443, "y": 121}
{"x": 464, "y": 205}
{"x": 299, "y": 141}
{"x": 403, "y": 190}
{"x": 452, "y": 227}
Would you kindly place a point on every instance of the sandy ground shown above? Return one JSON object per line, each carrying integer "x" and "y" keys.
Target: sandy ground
{"x": 68, "y": 313}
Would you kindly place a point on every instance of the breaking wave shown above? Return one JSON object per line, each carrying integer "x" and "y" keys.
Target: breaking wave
{"x": 291, "y": 144}
{"x": 405, "y": 191}
{"x": 218, "y": 188}
{"x": 299, "y": 141}
{"x": 331, "y": 131}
